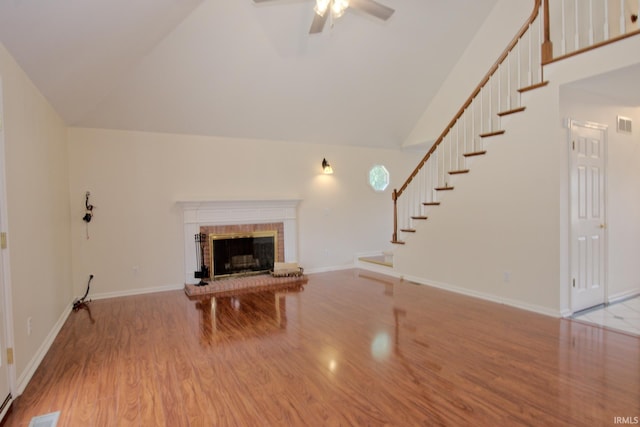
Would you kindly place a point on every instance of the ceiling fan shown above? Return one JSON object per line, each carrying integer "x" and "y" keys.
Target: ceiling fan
{"x": 335, "y": 8}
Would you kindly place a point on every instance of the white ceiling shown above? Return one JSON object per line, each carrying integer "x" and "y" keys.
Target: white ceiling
{"x": 234, "y": 68}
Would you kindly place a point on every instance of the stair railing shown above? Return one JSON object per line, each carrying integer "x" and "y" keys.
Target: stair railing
{"x": 518, "y": 68}
{"x": 581, "y": 25}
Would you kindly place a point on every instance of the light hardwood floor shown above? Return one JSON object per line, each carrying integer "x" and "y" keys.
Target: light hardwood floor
{"x": 351, "y": 348}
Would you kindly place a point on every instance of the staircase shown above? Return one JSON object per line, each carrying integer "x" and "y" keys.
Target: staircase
{"x": 518, "y": 70}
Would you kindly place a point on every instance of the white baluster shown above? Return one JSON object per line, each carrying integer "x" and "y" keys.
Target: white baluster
{"x": 519, "y": 70}
{"x": 509, "y": 80}
{"x": 429, "y": 173}
{"x": 458, "y": 126}
{"x": 576, "y": 34}
{"x": 433, "y": 176}
{"x": 530, "y": 65}
{"x": 473, "y": 125}
{"x": 499, "y": 88}
{"x": 412, "y": 199}
{"x": 605, "y": 30}
{"x": 450, "y": 166}
{"x": 563, "y": 42}
{"x": 481, "y": 110}
{"x": 539, "y": 51}
{"x": 623, "y": 21}
{"x": 443, "y": 166}
{"x": 464, "y": 148}
{"x": 407, "y": 208}
{"x": 490, "y": 103}
{"x": 590, "y": 22}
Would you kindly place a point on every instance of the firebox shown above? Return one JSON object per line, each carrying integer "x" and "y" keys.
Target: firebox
{"x": 242, "y": 253}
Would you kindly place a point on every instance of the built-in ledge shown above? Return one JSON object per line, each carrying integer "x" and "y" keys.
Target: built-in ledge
{"x": 232, "y": 212}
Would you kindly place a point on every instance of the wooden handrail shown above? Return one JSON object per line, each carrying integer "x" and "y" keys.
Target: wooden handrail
{"x": 476, "y": 91}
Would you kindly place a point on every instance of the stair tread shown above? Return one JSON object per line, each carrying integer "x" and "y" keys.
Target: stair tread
{"x": 475, "y": 153}
{"x": 512, "y": 111}
{"x": 408, "y": 230}
{"x": 431, "y": 203}
{"x": 494, "y": 133}
{"x": 397, "y": 242}
{"x": 443, "y": 188}
{"x": 419, "y": 217}
{"x": 456, "y": 172}
{"x": 534, "y": 86}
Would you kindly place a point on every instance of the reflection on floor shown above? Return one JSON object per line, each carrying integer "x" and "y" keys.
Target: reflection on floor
{"x": 624, "y": 316}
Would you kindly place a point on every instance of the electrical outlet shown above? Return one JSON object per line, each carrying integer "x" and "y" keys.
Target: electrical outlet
{"x": 507, "y": 276}
{"x": 29, "y": 325}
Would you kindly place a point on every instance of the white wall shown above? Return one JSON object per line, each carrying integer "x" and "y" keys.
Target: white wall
{"x": 136, "y": 178}
{"x": 38, "y": 212}
{"x": 623, "y": 181}
{"x": 494, "y": 35}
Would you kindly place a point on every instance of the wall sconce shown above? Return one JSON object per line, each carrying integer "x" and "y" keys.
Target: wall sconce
{"x": 326, "y": 167}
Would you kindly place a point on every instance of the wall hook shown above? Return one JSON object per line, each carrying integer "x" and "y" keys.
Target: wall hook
{"x": 88, "y": 207}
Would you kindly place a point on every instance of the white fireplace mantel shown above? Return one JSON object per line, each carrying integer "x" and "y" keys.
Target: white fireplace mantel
{"x": 230, "y": 212}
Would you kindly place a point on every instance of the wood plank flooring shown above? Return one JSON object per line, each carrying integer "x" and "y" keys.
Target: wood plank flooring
{"x": 351, "y": 348}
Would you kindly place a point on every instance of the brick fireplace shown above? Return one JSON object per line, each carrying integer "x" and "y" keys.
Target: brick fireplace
{"x": 232, "y": 217}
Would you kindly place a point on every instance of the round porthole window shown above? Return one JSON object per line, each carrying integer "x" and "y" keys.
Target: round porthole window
{"x": 378, "y": 178}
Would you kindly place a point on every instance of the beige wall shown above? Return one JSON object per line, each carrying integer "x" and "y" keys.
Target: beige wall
{"x": 38, "y": 211}
{"x": 136, "y": 178}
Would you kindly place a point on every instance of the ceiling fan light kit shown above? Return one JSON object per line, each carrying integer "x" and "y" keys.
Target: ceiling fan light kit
{"x": 336, "y": 9}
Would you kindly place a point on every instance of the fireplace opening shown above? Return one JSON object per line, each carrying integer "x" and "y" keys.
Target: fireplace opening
{"x": 242, "y": 253}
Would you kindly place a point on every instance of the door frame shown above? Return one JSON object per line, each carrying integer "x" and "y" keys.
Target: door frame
{"x": 5, "y": 279}
{"x": 571, "y": 123}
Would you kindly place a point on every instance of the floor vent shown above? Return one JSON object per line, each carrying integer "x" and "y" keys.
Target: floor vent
{"x": 47, "y": 420}
{"x": 624, "y": 124}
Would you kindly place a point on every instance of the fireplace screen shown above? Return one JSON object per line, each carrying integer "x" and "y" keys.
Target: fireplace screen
{"x": 242, "y": 253}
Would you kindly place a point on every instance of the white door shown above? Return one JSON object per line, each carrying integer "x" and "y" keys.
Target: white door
{"x": 5, "y": 372}
{"x": 588, "y": 226}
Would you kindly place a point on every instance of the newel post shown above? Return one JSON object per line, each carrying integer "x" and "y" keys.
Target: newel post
{"x": 547, "y": 46}
{"x": 394, "y": 196}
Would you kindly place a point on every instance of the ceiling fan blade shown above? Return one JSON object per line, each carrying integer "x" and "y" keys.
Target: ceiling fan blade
{"x": 373, "y": 8}
{"x": 318, "y": 23}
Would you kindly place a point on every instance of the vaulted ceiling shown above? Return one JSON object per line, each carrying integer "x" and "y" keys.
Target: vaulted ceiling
{"x": 239, "y": 69}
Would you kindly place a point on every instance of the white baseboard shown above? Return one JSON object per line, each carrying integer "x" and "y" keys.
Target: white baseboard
{"x": 488, "y": 297}
{"x": 33, "y": 364}
{"x": 328, "y": 269}
{"x": 621, "y": 296}
{"x": 475, "y": 294}
{"x": 378, "y": 268}
{"x": 138, "y": 291}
